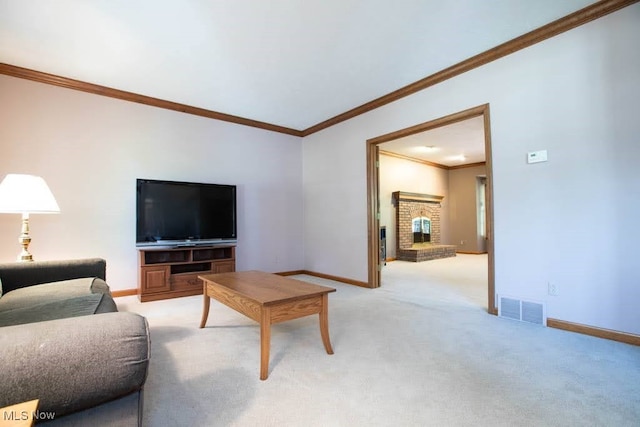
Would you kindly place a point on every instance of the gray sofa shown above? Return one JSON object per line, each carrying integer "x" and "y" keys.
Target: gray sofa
{"x": 63, "y": 341}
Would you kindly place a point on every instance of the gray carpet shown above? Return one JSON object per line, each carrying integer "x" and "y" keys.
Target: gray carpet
{"x": 419, "y": 351}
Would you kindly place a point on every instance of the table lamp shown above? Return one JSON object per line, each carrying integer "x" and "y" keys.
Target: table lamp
{"x": 26, "y": 194}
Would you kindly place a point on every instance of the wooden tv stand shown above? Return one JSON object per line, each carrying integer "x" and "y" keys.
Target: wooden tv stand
{"x": 173, "y": 272}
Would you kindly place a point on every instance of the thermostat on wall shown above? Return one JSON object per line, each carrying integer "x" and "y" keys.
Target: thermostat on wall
{"x": 537, "y": 156}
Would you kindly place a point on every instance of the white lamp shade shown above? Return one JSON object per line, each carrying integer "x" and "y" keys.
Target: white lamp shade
{"x": 26, "y": 194}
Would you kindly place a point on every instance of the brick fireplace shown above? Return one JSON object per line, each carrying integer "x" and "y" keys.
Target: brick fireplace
{"x": 418, "y": 227}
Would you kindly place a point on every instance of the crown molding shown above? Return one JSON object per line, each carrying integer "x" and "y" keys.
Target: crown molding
{"x": 468, "y": 165}
{"x": 597, "y": 10}
{"x": 559, "y": 26}
{"x": 413, "y": 159}
{"x": 52, "y": 79}
{"x": 429, "y": 163}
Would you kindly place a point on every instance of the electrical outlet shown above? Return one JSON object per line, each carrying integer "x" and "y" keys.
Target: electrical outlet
{"x": 553, "y": 289}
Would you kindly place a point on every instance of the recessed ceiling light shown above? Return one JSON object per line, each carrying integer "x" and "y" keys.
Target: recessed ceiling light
{"x": 458, "y": 158}
{"x": 427, "y": 148}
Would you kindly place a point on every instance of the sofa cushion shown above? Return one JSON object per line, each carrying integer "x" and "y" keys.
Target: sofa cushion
{"x": 20, "y": 274}
{"x": 74, "y": 364}
{"x": 71, "y": 307}
{"x": 54, "y": 291}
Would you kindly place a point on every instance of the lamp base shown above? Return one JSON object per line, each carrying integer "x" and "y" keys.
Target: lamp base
{"x": 25, "y": 257}
{"x": 25, "y": 239}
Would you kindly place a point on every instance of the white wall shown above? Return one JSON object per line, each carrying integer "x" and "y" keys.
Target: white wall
{"x": 90, "y": 150}
{"x": 572, "y": 220}
{"x": 413, "y": 177}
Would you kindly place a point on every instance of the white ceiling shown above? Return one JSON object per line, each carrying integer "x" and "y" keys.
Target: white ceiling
{"x": 457, "y": 144}
{"x": 292, "y": 63}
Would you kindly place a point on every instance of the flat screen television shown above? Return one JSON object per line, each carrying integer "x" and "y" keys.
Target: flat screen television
{"x": 184, "y": 213}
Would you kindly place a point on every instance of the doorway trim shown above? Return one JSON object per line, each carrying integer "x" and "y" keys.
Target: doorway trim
{"x": 373, "y": 193}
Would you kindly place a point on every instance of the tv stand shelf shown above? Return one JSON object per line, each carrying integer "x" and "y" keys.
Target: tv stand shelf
{"x": 173, "y": 272}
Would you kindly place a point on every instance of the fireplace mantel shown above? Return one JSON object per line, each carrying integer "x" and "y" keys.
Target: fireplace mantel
{"x": 411, "y": 207}
{"x": 416, "y": 206}
{"x": 415, "y": 197}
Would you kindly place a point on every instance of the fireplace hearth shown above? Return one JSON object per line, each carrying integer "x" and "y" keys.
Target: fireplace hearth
{"x": 418, "y": 227}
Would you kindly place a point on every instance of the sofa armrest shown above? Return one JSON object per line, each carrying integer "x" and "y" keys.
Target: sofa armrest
{"x": 16, "y": 275}
{"x": 75, "y": 363}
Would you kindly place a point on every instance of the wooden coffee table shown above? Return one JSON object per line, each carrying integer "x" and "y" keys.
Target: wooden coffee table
{"x": 268, "y": 298}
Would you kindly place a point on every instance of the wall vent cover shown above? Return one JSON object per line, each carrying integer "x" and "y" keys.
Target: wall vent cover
{"x": 524, "y": 311}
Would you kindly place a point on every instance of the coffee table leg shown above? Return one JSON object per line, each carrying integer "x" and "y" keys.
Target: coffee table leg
{"x": 324, "y": 324}
{"x": 205, "y": 309}
{"x": 265, "y": 341}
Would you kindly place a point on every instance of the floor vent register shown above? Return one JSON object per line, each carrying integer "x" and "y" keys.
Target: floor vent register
{"x": 524, "y": 311}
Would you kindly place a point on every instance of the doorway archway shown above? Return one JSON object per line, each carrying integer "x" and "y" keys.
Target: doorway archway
{"x": 373, "y": 195}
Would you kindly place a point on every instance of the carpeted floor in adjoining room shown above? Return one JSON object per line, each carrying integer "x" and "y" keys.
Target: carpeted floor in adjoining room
{"x": 419, "y": 351}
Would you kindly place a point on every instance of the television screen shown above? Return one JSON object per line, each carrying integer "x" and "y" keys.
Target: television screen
{"x": 184, "y": 212}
